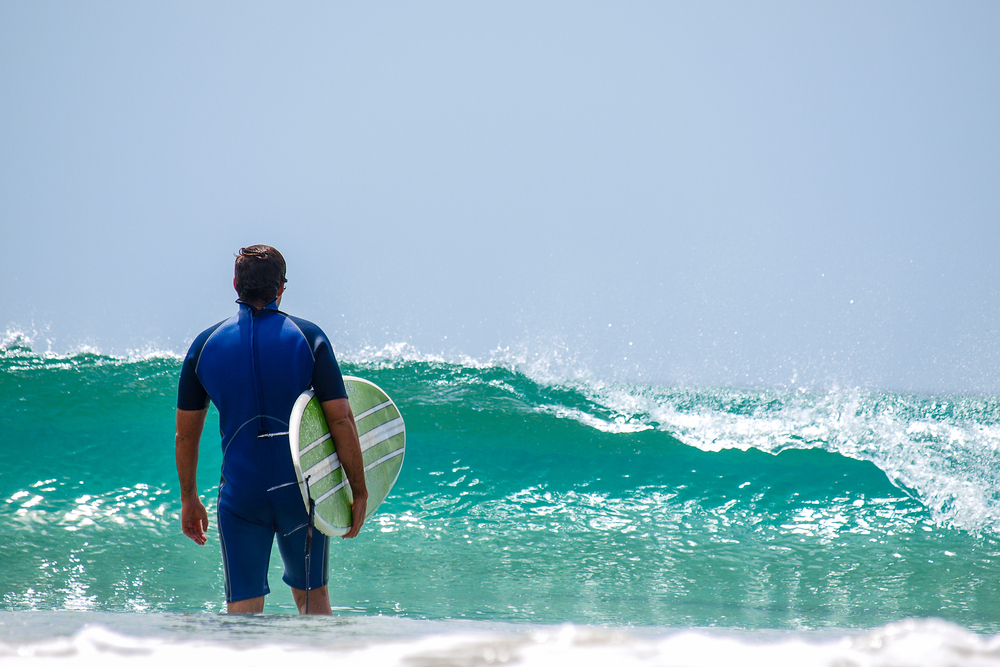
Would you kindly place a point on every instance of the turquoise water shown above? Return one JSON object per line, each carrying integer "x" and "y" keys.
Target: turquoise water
{"x": 532, "y": 501}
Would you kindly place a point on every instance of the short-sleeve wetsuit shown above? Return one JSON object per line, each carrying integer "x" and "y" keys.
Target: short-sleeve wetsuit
{"x": 253, "y": 366}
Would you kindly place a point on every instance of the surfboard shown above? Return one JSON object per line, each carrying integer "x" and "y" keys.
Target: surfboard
{"x": 383, "y": 444}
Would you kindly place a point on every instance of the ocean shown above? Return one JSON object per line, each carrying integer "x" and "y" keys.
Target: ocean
{"x": 541, "y": 518}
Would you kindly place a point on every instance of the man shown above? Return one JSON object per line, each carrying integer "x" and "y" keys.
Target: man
{"x": 253, "y": 366}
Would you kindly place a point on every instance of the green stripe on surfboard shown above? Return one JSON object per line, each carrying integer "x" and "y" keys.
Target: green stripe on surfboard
{"x": 383, "y": 443}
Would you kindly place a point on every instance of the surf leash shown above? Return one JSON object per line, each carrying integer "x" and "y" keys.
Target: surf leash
{"x": 309, "y": 541}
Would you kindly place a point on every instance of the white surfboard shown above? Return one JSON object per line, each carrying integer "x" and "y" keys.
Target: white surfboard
{"x": 383, "y": 444}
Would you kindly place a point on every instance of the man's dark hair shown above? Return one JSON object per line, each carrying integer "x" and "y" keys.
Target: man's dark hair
{"x": 260, "y": 271}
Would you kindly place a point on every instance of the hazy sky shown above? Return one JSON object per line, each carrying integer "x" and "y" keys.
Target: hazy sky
{"x": 724, "y": 193}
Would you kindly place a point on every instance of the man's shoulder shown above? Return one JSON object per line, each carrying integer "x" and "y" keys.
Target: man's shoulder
{"x": 319, "y": 345}
{"x": 201, "y": 339}
{"x": 310, "y": 330}
{"x": 215, "y": 328}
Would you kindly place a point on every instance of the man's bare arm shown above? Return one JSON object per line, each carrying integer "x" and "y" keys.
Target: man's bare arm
{"x": 344, "y": 432}
{"x": 194, "y": 518}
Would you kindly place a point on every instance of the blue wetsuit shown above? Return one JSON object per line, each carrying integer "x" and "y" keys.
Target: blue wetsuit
{"x": 253, "y": 366}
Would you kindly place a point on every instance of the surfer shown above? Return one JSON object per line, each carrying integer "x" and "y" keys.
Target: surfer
{"x": 253, "y": 366}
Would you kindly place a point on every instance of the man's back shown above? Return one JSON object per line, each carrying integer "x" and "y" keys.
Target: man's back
{"x": 253, "y": 366}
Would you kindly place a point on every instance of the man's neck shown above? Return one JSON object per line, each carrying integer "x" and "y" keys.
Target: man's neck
{"x": 258, "y": 306}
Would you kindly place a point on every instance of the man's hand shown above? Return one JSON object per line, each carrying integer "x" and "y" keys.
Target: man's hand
{"x": 194, "y": 520}
{"x": 358, "y": 509}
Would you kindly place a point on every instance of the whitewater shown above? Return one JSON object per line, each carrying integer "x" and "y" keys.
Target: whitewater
{"x": 543, "y": 516}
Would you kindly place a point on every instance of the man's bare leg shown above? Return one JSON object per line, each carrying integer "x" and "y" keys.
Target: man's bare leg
{"x": 319, "y": 601}
{"x": 250, "y": 606}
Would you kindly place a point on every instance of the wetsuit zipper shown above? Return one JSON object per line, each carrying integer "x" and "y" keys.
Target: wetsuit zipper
{"x": 253, "y": 370}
